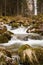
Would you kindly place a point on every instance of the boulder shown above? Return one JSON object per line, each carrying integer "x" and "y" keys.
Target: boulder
{"x": 36, "y": 28}
{"x": 33, "y": 36}
{"x": 2, "y": 28}
{"x": 6, "y": 57}
{"x": 31, "y": 56}
{"x": 5, "y": 37}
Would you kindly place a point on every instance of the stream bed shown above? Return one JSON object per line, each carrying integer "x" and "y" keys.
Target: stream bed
{"x": 22, "y": 37}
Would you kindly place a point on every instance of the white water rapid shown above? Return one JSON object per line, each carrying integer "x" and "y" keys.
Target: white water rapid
{"x": 21, "y": 33}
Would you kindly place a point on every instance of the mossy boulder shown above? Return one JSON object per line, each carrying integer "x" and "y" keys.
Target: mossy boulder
{"x": 37, "y": 27}
{"x": 23, "y": 47}
{"x": 6, "y": 57}
{"x": 5, "y": 51}
{"x": 2, "y": 29}
{"x": 31, "y": 56}
{"x": 33, "y": 36}
{"x": 5, "y": 37}
{"x": 14, "y": 24}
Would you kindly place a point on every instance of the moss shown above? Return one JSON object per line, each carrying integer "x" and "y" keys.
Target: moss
{"x": 3, "y": 29}
{"x": 31, "y": 56}
{"x": 23, "y": 47}
{"x": 25, "y": 25}
{"x": 39, "y": 54}
{"x": 5, "y": 56}
{"x": 14, "y": 24}
{"x": 35, "y": 21}
{"x": 4, "y": 51}
{"x": 5, "y": 37}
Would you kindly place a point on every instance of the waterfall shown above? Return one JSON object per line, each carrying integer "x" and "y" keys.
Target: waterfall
{"x": 35, "y": 7}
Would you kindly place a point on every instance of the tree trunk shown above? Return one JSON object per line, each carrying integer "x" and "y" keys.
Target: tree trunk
{"x": 35, "y": 7}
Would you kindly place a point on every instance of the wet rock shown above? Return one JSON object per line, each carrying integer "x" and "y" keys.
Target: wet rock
{"x": 4, "y": 34}
{"x": 33, "y": 36}
{"x": 14, "y": 24}
{"x": 4, "y": 54}
{"x": 23, "y": 47}
{"x": 6, "y": 57}
{"x": 2, "y": 28}
{"x": 5, "y": 37}
{"x": 14, "y": 48}
{"x": 31, "y": 56}
{"x": 36, "y": 28}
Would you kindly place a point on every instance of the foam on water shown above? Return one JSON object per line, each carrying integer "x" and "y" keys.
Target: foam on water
{"x": 30, "y": 42}
{"x": 8, "y": 27}
{"x": 21, "y": 32}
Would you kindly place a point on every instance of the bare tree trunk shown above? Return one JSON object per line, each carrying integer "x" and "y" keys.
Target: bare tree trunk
{"x": 35, "y": 7}
{"x": 30, "y": 6}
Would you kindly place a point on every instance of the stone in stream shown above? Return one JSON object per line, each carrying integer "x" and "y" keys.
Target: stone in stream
{"x": 30, "y": 56}
{"x": 37, "y": 27}
{"x": 2, "y": 28}
{"x": 6, "y": 57}
{"x": 28, "y": 36}
{"x": 5, "y": 35}
{"x": 33, "y": 36}
{"x": 14, "y": 24}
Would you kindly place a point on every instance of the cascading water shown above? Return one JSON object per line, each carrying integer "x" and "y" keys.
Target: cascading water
{"x": 19, "y": 35}
{"x": 8, "y": 27}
